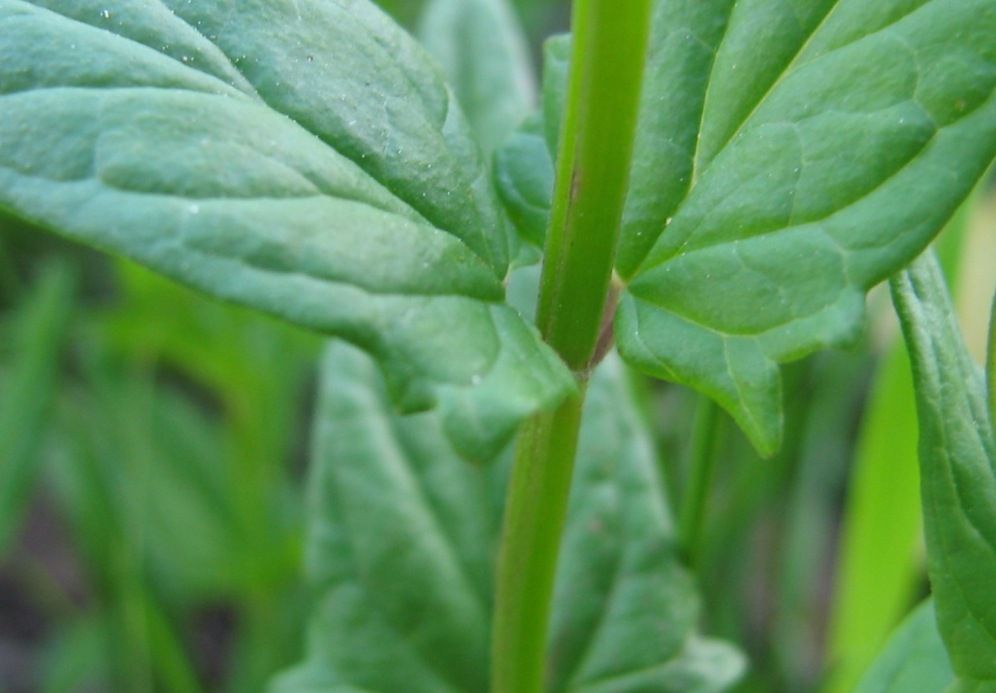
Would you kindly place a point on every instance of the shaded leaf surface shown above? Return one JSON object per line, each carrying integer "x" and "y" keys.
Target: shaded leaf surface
{"x": 390, "y": 498}
{"x": 957, "y": 472}
{"x": 524, "y": 179}
{"x": 301, "y": 158}
{"x": 913, "y": 659}
{"x": 790, "y": 155}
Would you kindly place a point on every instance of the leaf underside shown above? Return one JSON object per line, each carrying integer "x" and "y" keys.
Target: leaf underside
{"x": 957, "y": 473}
{"x": 304, "y": 158}
{"x": 391, "y": 500}
{"x": 790, "y": 155}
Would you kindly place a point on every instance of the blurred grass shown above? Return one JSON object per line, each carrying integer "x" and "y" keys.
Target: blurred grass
{"x": 171, "y": 455}
{"x": 878, "y": 568}
{"x": 37, "y": 335}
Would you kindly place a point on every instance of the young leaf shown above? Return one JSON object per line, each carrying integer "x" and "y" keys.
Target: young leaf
{"x": 391, "y": 498}
{"x": 790, "y": 155}
{"x": 480, "y": 46}
{"x": 957, "y": 472}
{"x": 301, "y": 158}
{"x": 913, "y": 660}
{"x": 524, "y": 179}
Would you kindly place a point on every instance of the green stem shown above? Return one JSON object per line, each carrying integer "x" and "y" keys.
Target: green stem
{"x": 596, "y": 144}
{"x": 608, "y": 52}
{"x": 700, "y": 468}
{"x": 534, "y": 519}
{"x": 991, "y": 364}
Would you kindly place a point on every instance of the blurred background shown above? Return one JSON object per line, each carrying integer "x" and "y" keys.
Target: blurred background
{"x": 153, "y": 444}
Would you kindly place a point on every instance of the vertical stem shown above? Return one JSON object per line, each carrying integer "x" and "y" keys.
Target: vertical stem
{"x": 991, "y": 364}
{"x": 607, "y": 56}
{"x": 699, "y": 478}
{"x": 596, "y": 144}
{"x": 534, "y": 520}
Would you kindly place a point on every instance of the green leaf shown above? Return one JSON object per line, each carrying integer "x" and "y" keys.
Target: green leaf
{"x": 880, "y": 551}
{"x": 304, "y": 158}
{"x": 556, "y": 64}
{"x": 483, "y": 53}
{"x": 27, "y": 390}
{"x": 957, "y": 472}
{"x": 836, "y": 139}
{"x": 391, "y": 498}
{"x": 524, "y": 179}
{"x": 524, "y": 170}
{"x": 790, "y": 155}
{"x": 913, "y": 660}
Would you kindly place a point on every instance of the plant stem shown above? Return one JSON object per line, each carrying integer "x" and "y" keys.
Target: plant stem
{"x": 700, "y": 468}
{"x": 607, "y": 56}
{"x": 534, "y": 519}
{"x": 596, "y": 144}
{"x": 991, "y": 364}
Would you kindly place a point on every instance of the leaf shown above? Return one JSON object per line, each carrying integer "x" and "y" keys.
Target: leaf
{"x": 524, "y": 171}
{"x": 625, "y": 610}
{"x": 957, "y": 472}
{"x": 390, "y": 497}
{"x": 301, "y": 158}
{"x": 556, "y": 64}
{"x": 28, "y": 389}
{"x": 789, "y": 156}
{"x": 881, "y": 547}
{"x": 913, "y": 659}
{"x": 524, "y": 179}
{"x": 483, "y": 53}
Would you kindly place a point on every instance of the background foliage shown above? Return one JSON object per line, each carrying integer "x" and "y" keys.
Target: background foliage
{"x": 152, "y": 476}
